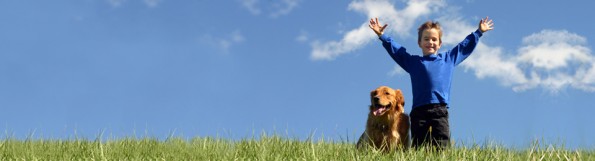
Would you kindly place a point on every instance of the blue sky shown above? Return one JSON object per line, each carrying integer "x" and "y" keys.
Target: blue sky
{"x": 295, "y": 67}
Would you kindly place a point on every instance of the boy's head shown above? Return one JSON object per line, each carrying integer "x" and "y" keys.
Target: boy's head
{"x": 429, "y": 37}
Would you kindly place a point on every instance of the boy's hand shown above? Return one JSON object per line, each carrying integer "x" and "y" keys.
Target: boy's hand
{"x": 375, "y": 25}
{"x": 486, "y": 25}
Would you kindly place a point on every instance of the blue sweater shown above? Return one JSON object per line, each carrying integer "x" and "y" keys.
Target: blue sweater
{"x": 431, "y": 75}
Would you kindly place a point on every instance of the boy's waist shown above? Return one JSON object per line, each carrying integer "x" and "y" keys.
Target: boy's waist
{"x": 430, "y": 111}
{"x": 431, "y": 105}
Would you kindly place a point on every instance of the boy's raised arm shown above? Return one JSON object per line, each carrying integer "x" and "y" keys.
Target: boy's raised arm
{"x": 464, "y": 49}
{"x": 375, "y": 25}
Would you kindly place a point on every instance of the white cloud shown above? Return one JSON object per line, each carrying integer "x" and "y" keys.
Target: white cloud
{"x": 116, "y": 3}
{"x": 148, "y": 3}
{"x": 400, "y": 21}
{"x": 558, "y": 59}
{"x": 250, "y": 5}
{"x": 225, "y": 43}
{"x": 275, "y": 9}
{"x": 585, "y": 79}
{"x": 237, "y": 37}
{"x": 302, "y": 37}
{"x": 491, "y": 62}
{"x": 554, "y": 49}
{"x": 354, "y": 39}
{"x": 152, "y": 3}
{"x": 283, "y": 8}
{"x": 397, "y": 70}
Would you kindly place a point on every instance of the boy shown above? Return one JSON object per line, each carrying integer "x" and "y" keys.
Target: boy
{"x": 431, "y": 76}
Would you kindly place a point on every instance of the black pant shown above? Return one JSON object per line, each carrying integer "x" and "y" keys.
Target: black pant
{"x": 429, "y": 126}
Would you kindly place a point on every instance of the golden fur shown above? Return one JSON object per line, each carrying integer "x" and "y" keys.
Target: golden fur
{"x": 387, "y": 127}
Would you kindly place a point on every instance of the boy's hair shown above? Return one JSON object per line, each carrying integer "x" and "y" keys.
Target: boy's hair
{"x": 429, "y": 25}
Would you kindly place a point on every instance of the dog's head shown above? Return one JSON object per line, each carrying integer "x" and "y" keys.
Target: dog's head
{"x": 386, "y": 100}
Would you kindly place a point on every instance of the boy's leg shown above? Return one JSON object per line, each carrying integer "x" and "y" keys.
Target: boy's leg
{"x": 429, "y": 126}
{"x": 419, "y": 127}
{"x": 440, "y": 133}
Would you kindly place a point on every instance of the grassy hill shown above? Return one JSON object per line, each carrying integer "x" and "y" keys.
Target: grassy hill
{"x": 264, "y": 148}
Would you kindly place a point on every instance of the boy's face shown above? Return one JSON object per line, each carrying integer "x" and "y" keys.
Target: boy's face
{"x": 430, "y": 41}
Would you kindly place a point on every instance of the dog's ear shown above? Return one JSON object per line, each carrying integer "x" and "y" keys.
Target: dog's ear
{"x": 399, "y": 97}
{"x": 372, "y": 95}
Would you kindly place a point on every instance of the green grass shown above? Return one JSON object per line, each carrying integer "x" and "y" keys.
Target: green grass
{"x": 264, "y": 148}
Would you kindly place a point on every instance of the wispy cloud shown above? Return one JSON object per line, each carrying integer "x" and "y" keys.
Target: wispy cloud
{"x": 400, "y": 21}
{"x": 251, "y": 6}
{"x": 116, "y": 3}
{"x": 225, "y": 43}
{"x": 274, "y": 8}
{"x": 302, "y": 37}
{"x": 283, "y": 8}
{"x": 152, "y": 3}
{"x": 120, "y": 3}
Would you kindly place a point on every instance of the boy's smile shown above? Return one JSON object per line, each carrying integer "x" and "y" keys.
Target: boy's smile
{"x": 430, "y": 41}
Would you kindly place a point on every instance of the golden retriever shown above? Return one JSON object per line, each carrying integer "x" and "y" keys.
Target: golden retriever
{"x": 387, "y": 127}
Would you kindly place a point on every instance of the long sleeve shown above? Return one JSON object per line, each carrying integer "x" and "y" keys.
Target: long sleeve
{"x": 464, "y": 48}
{"x": 396, "y": 51}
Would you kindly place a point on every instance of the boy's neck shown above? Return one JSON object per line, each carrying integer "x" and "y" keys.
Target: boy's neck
{"x": 428, "y": 54}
